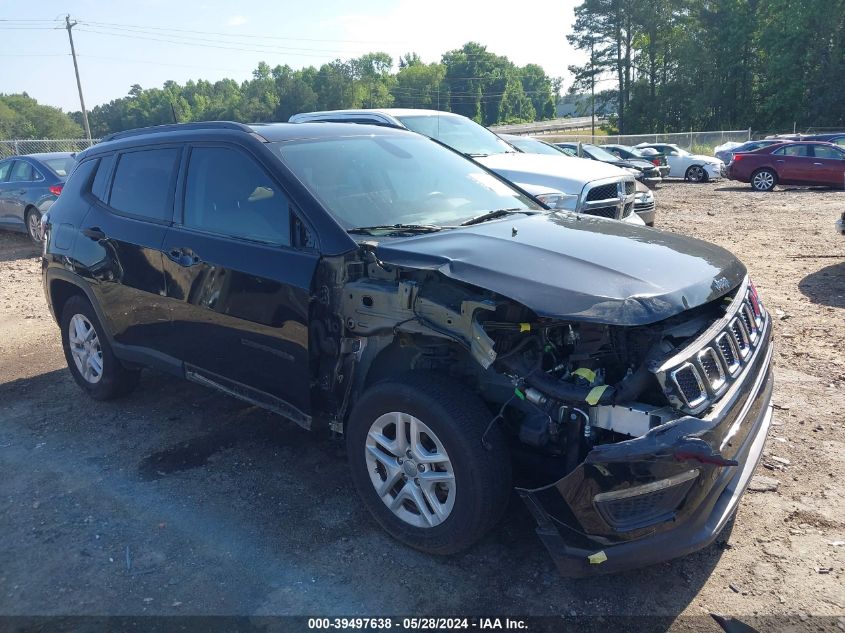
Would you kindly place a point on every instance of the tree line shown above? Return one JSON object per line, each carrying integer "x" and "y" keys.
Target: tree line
{"x": 677, "y": 65}
{"x": 471, "y": 80}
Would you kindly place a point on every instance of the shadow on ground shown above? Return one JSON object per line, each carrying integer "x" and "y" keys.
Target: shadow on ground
{"x": 826, "y": 286}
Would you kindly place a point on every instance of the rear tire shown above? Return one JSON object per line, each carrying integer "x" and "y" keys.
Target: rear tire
{"x": 442, "y": 493}
{"x": 89, "y": 356}
{"x": 764, "y": 180}
{"x": 32, "y": 219}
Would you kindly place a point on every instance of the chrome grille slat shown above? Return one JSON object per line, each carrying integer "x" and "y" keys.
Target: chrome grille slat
{"x": 603, "y": 192}
{"x": 727, "y": 350}
{"x": 695, "y": 377}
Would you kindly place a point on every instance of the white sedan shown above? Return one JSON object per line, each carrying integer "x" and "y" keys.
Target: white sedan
{"x": 694, "y": 167}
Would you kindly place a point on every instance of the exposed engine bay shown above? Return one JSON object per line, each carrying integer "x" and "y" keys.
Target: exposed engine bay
{"x": 560, "y": 387}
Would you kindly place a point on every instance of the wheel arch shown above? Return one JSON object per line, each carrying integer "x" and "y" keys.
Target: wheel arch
{"x": 61, "y": 285}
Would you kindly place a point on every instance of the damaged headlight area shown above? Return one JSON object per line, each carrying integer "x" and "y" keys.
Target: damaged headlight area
{"x": 619, "y": 433}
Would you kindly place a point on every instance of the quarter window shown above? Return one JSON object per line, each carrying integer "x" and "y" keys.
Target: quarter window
{"x": 100, "y": 184}
{"x": 143, "y": 182}
{"x": 227, "y": 192}
{"x": 4, "y": 170}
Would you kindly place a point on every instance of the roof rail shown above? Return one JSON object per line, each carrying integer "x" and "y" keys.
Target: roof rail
{"x": 174, "y": 127}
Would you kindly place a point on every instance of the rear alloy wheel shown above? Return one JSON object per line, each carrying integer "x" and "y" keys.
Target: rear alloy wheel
{"x": 415, "y": 452}
{"x": 696, "y": 173}
{"x": 33, "y": 225}
{"x": 764, "y": 180}
{"x": 89, "y": 356}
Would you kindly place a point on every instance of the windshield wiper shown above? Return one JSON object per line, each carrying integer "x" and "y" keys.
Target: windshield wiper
{"x": 498, "y": 213}
{"x": 396, "y": 228}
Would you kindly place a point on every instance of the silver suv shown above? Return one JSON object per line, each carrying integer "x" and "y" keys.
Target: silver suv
{"x": 562, "y": 182}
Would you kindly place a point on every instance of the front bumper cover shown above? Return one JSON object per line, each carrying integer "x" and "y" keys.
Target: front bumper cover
{"x": 724, "y": 447}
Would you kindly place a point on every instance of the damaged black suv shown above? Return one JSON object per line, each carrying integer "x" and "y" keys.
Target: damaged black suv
{"x": 462, "y": 337}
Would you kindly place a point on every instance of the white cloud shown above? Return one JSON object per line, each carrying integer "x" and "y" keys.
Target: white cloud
{"x": 236, "y": 20}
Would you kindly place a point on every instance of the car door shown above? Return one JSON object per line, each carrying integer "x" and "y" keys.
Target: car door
{"x": 238, "y": 285}
{"x": 22, "y": 177}
{"x": 793, "y": 163}
{"x": 677, "y": 163}
{"x": 830, "y": 165}
{"x": 5, "y": 168}
{"x": 120, "y": 239}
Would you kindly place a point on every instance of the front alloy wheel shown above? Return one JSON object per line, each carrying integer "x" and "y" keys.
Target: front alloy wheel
{"x": 696, "y": 173}
{"x": 418, "y": 461}
{"x": 410, "y": 470}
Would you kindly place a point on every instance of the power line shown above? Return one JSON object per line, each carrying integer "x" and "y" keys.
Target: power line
{"x": 236, "y": 35}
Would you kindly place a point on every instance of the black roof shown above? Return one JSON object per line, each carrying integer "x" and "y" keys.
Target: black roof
{"x": 268, "y": 131}
{"x": 290, "y": 131}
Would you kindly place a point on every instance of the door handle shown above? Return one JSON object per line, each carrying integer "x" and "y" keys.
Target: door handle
{"x": 94, "y": 233}
{"x": 819, "y": 164}
{"x": 184, "y": 257}
{"x": 780, "y": 161}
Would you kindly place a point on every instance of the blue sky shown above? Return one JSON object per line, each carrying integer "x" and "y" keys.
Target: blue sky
{"x": 120, "y": 43}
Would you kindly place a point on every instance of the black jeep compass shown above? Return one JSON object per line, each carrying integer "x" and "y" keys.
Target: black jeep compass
{"x": 463, "y": 338}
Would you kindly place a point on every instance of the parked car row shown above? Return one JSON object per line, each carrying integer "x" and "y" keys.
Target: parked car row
{"x": 407, "y": 295}
{"x": 29, "y": 185}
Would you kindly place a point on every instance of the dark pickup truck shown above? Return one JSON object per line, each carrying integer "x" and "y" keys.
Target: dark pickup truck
{"x": 465, "y": 339}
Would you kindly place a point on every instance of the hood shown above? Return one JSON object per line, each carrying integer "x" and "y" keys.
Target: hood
{"x": 706, "y": 159}
{"x": 534, "y": 172}
{"x": 576, "y": 267}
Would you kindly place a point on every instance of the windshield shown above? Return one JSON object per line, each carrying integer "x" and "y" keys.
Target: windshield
{"x": 533, "y": 146}
{"x": 459, "y": 133}
{"x": 368, "y": 181}
{"x": 62, "y": 166}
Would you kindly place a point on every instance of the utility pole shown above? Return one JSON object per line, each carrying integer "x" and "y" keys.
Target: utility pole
{"x": 592, "y": 88}
{"x": 69, "y": 26}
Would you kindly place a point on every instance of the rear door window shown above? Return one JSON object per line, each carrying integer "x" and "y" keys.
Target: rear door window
{"x": 143, "y": 183}
{"x": 24, "y": 172}
{"x": 5, "y": 168}
{"x": 793, "y": 150}
{"x": 822, "y": 151}
{"x": 227, "y": 192}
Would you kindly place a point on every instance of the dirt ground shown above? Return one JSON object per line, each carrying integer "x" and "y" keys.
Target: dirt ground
{"x": 178, "y": 500}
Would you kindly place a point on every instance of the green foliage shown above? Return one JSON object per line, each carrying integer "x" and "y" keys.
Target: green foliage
{"x": 716, "y": 64}
{"x": 22, "y": 117}
{"x": 486, "y": 87}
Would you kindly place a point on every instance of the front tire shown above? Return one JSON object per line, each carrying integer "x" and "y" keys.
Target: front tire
{"x": 764, "y": 180}
{"x": 415, "y": 450}
{"x": 89, "y": 356}
{"x": 696, "y": 173}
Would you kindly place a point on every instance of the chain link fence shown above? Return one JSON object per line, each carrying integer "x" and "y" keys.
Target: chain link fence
{"x": 695, "y": 142}
{"x": 34, "y": 146}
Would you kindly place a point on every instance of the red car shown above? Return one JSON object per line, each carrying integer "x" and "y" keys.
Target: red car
{"x": 791, "y": 163}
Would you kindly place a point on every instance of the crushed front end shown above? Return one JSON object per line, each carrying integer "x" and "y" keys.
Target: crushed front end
{"x": 657, "y": 462}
